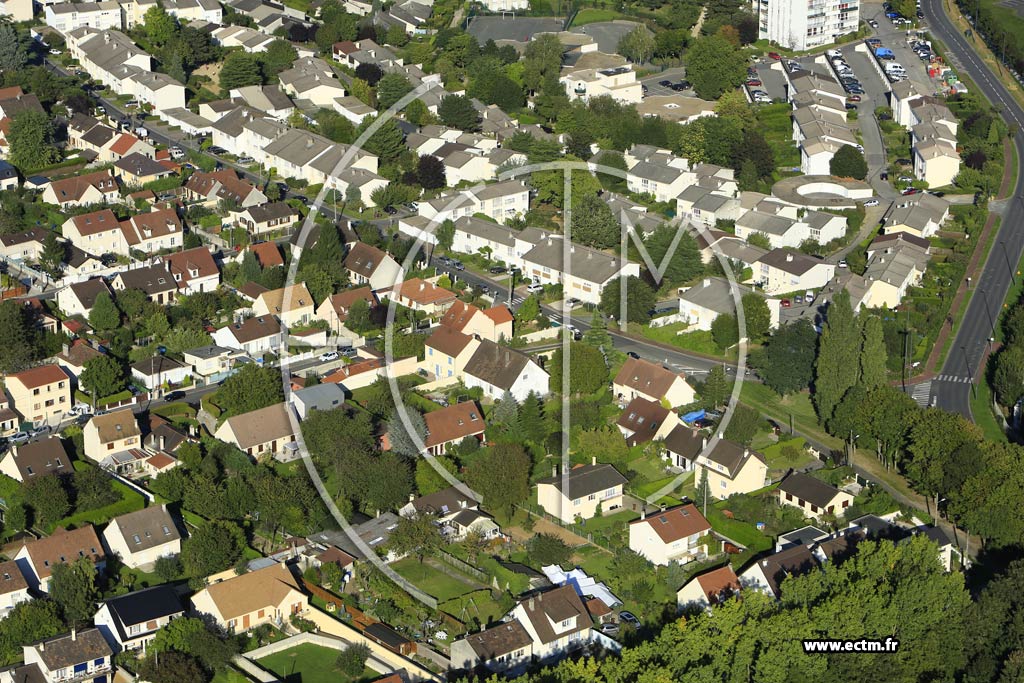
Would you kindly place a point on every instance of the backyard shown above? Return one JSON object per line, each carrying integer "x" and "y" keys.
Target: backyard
{"x": 444, "y": 584}
{"x": 308, "y": 663}
{"x": 777, "y": 128}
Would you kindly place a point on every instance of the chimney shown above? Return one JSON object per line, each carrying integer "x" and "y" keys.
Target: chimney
{"x": 554, "y": 470}
{"x": 721, "y": 435}
{"x": 531, "y": 605}
{"x": 412, "y": 497}
{"x": 789, "y": 258}
{"x": 746, "y": 451}
{"x": 643, "y": 512}
{"x": 65, "y": 348}
{"x": 163, "y": 444}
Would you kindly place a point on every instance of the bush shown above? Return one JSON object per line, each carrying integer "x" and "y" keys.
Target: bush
{"x": 352, "y": 660}
{"x": 848, "y": 162}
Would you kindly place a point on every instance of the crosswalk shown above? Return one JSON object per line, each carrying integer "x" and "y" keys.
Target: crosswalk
{"x": 953, "y": 378}
{"x": 921, "y": 393}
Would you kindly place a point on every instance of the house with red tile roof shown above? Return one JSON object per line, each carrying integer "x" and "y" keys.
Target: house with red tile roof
{"x": 268, "y": 254}
{"x": 99, "y": 187}
{"x": 421, "y": 295}
{"x": 154, "y": 231}
{"x": 193, "y": 270}
{"x": 709, "y": 589}
{"x": 98, "y": 233}
{"x": 211, "y": 188}
{"x": 335, "y": 308}
{"x": 493, "y": 324}
{"x": 41, "y": 393}
{"x": 672, "y": 535}
{"x": 126, "y": 144}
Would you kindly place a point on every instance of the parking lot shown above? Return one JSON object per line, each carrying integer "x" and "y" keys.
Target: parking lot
{"x": 652, "y": 83}
{"x": 895, "y": 38}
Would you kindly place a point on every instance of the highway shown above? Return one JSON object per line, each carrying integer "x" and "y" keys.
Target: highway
{"x": 951, "y": 389}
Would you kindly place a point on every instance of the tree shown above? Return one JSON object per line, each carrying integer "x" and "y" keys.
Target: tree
{"x": 172, "y": 667}
{"x": 358, "y": 319}
{"x": 933, "y": 439}
{"x": 48, "y": 499}
{"x": 588, "y": 371}
{"x": 28, "y": 622}
{"x": 1008, "y": 377}
{"x": 638, "y": 45}
{"x": 104, "y": 315}
{"x": 251, "y": 388}
{"x": 416, "y": 113}
{"x": 744, "y": 425}
{"x": 835, "y": 370}
{"x": 390, "y": 89}
{"x": 168, "y": 568}
{"x": 640, "y": 300}
{"x": 756, "y": 315}
{"x": 402, "y": 441}
{"x": 593, "y": 223}
{"x": 240, "y": 69}
{"x": 93, "y": 489}
{"x": 715, "y": 391}
{"x": 428, "y": 480}
{"x": 31, "y": 140}
{"x": 528, "y": 310}
{"x": 787, "y": 362}
{"x": 336, "y": 25}
{"x": 416, "y": 534}
{"x": 196, "y": 638}
{"x": 545, "y": 549}
{"x": 13, "y": 55}
{"x": 279, "y": 55}
{"x": 458, "y": 111}
{"x": 685, "y": 262}
{"x": 53, "y": 254}
{"x": 369, "y": 72}
{"x": 714, "y": 65}
{"x": 848, "y": 162}
{"x": 430, "y": 172}
{"x": 211, "y": 548}
{"x": 159, "y": 26}
{"x": 16, "y": 350}
{"x": 725, "y": 331}
{"x": 73, "y": 587}
{"x": 352, "y": 660}
{"x": 531, "y": 418}
{"x": 502, "y": 477}
{"x": 387, "y": 142}
{"x": 873, "y": 356}
{"x": 102, "y": 376}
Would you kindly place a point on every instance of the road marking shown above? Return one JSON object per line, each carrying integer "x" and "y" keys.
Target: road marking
{"x": 921, "y": 393}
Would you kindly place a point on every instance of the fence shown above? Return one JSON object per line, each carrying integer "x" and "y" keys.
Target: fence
{"x": 463, "y": 567}
{"x": 578, "y": 529}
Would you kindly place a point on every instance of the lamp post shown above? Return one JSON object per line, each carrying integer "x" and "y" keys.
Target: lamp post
{"x": 988, "y": 311}
{"x": 1006, "y": 258}
{"x": 970, "y": 374}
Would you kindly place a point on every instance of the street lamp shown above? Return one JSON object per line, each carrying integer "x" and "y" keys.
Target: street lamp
{"x": 988, "y": 311}
{"x": 1006, "y": 258}
{"x": 970, "y": 374}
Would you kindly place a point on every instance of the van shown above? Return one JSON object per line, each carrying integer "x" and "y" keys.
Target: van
{"x": 809, "y": 296}
{"x": 534, "y": 288}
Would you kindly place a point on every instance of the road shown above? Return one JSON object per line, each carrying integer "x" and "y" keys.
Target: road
{"x": 951, "y": 390}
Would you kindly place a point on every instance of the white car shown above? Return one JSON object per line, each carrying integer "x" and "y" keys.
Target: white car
{"x": 55, "y": 51}
{"x": 19, "y": 437}
{"x": 177, "y": 153}
{"x": 842, "y": 263}
{"x": 871, "y": 202}
{"x": 330, "y": 355}
{"x": 245, "y": 160}
{"x": 534, "y": 288}
{"x": 833, "y": 53}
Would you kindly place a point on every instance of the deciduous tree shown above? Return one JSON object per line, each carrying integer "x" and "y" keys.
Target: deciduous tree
{"x": 835, "y": 370}
{"x": 31, "y": 140}
{"x": 714, "y": 65}
{"x": 102, "y": 376}
{"x": 73, "y": 587}
{"x": 502, "y": 477}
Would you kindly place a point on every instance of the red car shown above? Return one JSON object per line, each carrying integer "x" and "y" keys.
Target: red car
{"x": 753, "y": 82}
{"x": 853, "y": 98}
{"x": 910, "y": 190}
{"x": 774, "y": 55}
{"x": 785, "y": 303}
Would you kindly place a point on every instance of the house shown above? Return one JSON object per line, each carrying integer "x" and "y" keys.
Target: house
{"x": 442, "y": 505}
{"x": 451, "y": 425}
{"x": 767, "y": 574}
{"x": 317, "y": 397}
{"x": 267, "y": 98}
{"x": 644, "y": 420}
{"x": 816, "y": 156}
{"x": 921, "y": 215}
{"x": 731, "y": 468}
{"x": 678, "y": 108}
{"x": 137, "y": 170}
{"x": 494, "y": 324}
{"x": 586, "y": 274}
{"x": 659, "y": 178}
{"x": 70, "y": 16}
{"x": 266, "y": 596}
{"x": 369, "y": 265}
{"x": 596, "y": 74}
{"x": 497, "y": 369}
{"x": 154, "y": 281}
{"x": 335, "y": 308}
{"x": 936, "y": 162}
{"x": 195, "y": 10}
{"x": 700, "y": 304}
{"x": 79, "y": 264}
{"x": 98, "y": 232}
{"x": 119, "y": 146}
{"x": 812, "y": 496}
{"x": 154, "y": 231}
{"x": 160, "y": 371}
{"x": 17, "y": 10}
{"x": 99, "y": 187}
{"x": 9, "y": 421}
{"x": 29, "y": 461}
{"x": 447, "y": 351}
{"x": 131, "y": 621}
{"x": 644, "y": 379}
{"x": 708, "y": 589}
{"x": 13, "y": 587}
{"x": 254, "y": 336}
{"x": 108, "y": 435}
{"x": 9, "y": 179}
{"x": 782, "y": 227}
{"x": 142, "y": 537}
{"x": 705, "y": 206}
{"x": 267, "y": 431}
{"x": 312, "y": 79}
{"x": 74, "y": 356}
{"x": 672, "y": 535}
{"x": 903, "y": 94}
{"x": 23, "y": 246}
{"x": 77, "y": 656}
{"x": 421, "y": 295}
{"x": 783, "y": 271}
{"x": 265, "y": 218}
{"x": 499, "y": 201}
{"x": 193, "y": 270}
{"x": 37, "y": 558}
{"x": 578, "y": 492}
{"x": 41, "y": 394}
{"x": 78, "y": 298}
{"x": 211, "y": 188}
{"x": 210, "y": 360}
{"x": 477, "y": 236}
{"x": 292, "y": 305}
{"x": 267, "y": 254}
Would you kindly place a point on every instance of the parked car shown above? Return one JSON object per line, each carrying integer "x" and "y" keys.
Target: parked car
{"x": 457, "y": 265}
{"x": 873, "y": 23}
{"x": 753, "y": 83}
{"x": 629, "y": 617}
{"x": 43, "y": 429}
{"x": 216, "y": 150}
{"x": 841, "y": 264}
{"x": 665, "y": 83}
{"x": 633, "y": 354}
{"x": 798, "y": 299}
{"x": 19, "y": 437}
{"x": 177, "y": 153}
{"x": 245, "y": 160}
{"x": 54, "y": 51}
{"x": 910, "y": 191}
{"x": 785, "y": 303}
{"x": 853, "y": 98}
{"x": 497, "y": 270}
{"x": 534, "y": 288}
{"x": 609, "y": 629}
{"x": 774, "y": 55}
{"x": 329, "y": 356}
{"x": 809, "y": 296}
{"x": 174, "y": 396}
{"x": 871, "y": 202}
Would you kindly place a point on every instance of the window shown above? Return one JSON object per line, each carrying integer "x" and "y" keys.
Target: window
{"x": 565, "y": 623}
{"x": 592, "y": 496}
{"x": 722, "y": 483}
{"x": 576, "y": 501}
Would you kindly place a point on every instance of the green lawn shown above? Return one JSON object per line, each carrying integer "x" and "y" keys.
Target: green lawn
{"x": 798, "y": 406}
{"x": 741, "y": 532}
{"x": 777, "y": 128}
{"x": 981, "y": 409}
{"x": 230, "y": 676}
{"x": 478, "y": 605}
{"x": 309, "y": 663}
{"x": 779, "y": 461}
{"x": 699, "y": 341}
{"x": 443, "y": 586}
{"x": 130, "y": 502}
{"x": 592, "y": 15}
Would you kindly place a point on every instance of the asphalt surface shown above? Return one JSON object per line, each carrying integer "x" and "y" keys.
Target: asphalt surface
{"x": 952, "y": 388}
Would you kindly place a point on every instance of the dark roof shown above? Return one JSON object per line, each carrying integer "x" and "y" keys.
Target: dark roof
{"x": 11, "y": 578}
{"x": 145, "y": 605}
{"x": 643, "y": 418}
{"x": 256, "y": 328}
{"x": 87, "y": 291}
{"x": 791, "y": 562}
{"x": 497, "y": 365}
{"x": 140, "y": 165}
{"x": 685, "y": 441}
{"x": 150, "y": 279}
{"x": 556, "y": 606}
{"x": 364, "y": 259}
{"x": 808, "y": 488}
{"x": 443, "y": 502}
{"x": 803, "y": 536}
{"x": 790, "y": 262}
{"x": 643, "y": 375}
{"x": 156, "y": 364}
{"x": 39, "y": 458}
{"x": 583, "y": 480}
{"x": 147, "y": 528}
{"x": 27, "y": 673}
{"x": 271, "y": 211}
{"x": 73, "y": 648}
{"x": 499, "y": 640}
{"x": 385, "y": 635}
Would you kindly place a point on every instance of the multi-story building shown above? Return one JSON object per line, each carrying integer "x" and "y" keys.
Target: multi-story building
{"x": 805, "y": 24}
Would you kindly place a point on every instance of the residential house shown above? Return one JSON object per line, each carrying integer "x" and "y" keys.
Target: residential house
{"x": 210, "y": 360}
{"x": 476, "y": 236}
{"x": 812, "y": 496}
{"x": 37, "y": 558}
{"x": 767, "y": 574}
{"x": 326, "y": 396}
{"x": 705, "y": 206}
{"x": 211, "y": 188}
{"x": 195, "y": 10}
{"x": 266, "y": 98}
{"x": 131, "y": 621}
{"x": 782, "y": 226}
{"x": 9, "y": 179}
{"x": 121, "y": 146}
{"x": 13, "y": 587}
{"x": 154, "y": 281}
{"x": 110, "y": 434}
{"x": 312, "y": 79}
{"x": 499, "y": 201}
{"x": 700, "y": 304}
{"x": 160, "y": 371}
{"x": 78, "y": 298}
{"x": 154, "y": 231}
{"x": 578, "y": 492}
{"x": 498, "y": 369}
{"x": 902, "y": 94}
{"x": 447, "y": 352}
{"x": 41, "y": 394}
{"x": 142, "y": 537}
{"x": 137, "y": 170}
{"x": 292, "y": 305}
{"x": 265, "y": 218}
{"x": 896, "y": 262}
{"x": 708, "y": 589}
{"x": 920, "y": 215}
{"x": 26, "y": 462}
{"x": 23, "y": 246}
{"x": 193, "y": 270}
{"x": 98, "y": 232}
{"x": 816, "y": 155}
{"x": 451, "y": 425}
{"x": 644, "y": 420}
{"x": 99, "y": 187}
{"x": 267, "y": 431}
{"x": 731, "y": 469}
{"x": 254, "y": 336}
{"x": 663, "y": 178}
{"x": 494, "y": 324}
{"x": 442, "y": 505}
{"x": 672, "y": 535}
{"x": 17, "y": 10}
{"x": 66, "y": 17}
{"x": 421, "y": 295}
{"x": 266, "y": 596}
{"x": 586, "y": 274}
{"x": 936, "y": 162}
{"x": 77, "y": 656}
{"x": 335, "y": 308}
{"x": 9, "y": 421}
{"x": 681, "y": 109}
{"x": 369, "y": 265}
{"x": 596, "y": 74}
{"x": 641, "y": 378}
{"x": 268, "y": 254}
{"x": 782, "y": 271}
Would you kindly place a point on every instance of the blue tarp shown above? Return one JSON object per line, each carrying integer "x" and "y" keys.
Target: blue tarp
{"x": 694, "y": 416}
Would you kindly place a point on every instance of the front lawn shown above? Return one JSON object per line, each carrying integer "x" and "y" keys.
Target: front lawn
{"x": 699, "y": 341}
{"x": 789, "y": 454}
{"x": 442, "y": 585}
{"x": 308, "y": 663}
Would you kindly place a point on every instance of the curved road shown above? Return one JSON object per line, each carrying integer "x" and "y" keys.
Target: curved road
{"x": 952, "y": 387}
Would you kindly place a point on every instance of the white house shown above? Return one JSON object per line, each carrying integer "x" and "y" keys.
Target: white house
{"x": 368, "y": 265}
{"x": 497, "y": 369}
{"x": 500, "y": 201}
{"x": 641, "y": 378}
{"x": 254, "y": 336}
{"x": 579, "y": 491}
{"x": 586, "y": 274}
{"x": 317, "y": 397}
{"x": 700, "y": 304}
{"x": 783, "y": 271}
{"x": 142, "y": 537}
{"x": 671, "y": 535}
{"x": 131, "y": 621}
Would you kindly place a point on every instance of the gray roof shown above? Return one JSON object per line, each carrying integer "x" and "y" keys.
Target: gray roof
{"x": 714, "y": 294}
{"x": 320, "y": 395}
{"x": 790, "y": 262}
{"x": 583, "y": 480}
{"x": 767, "y": 223}
{"x": 486, "y": 230}
{"x": 208, "y": 351}
{"x": 656, "y": 172}
{"x": 147, "y": 528}
{"x": 497, "y": 365}
{"x": 374, "y": 531}
{"x": 584, "y": 263}
{"x": 732, "y": 456}
{"x": 298, "y": 147}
